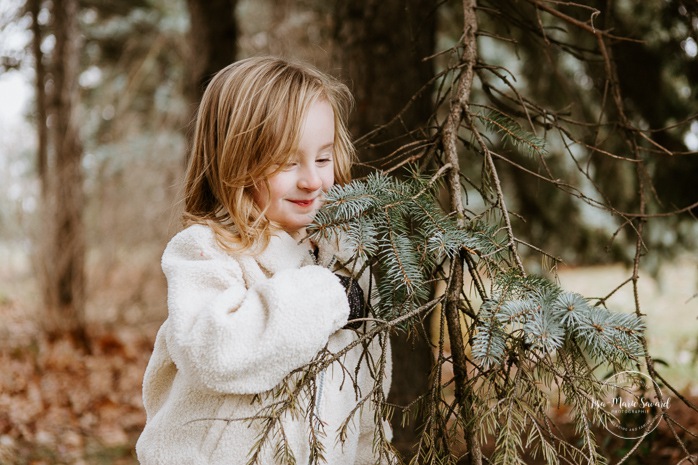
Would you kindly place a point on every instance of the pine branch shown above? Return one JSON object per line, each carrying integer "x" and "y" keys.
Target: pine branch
{"x": 513, "y": 133}
{"x": 400, "y": 229}
{"x": 541, "y": 317}
{"x": 489, "y": 163}
{"x": 508, "y": 444}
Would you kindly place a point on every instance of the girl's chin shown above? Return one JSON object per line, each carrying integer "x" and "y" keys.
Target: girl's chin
{"x": 298, "y": 226}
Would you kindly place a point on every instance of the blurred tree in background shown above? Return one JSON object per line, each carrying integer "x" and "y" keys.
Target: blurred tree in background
{"x": 390, "y": 115}
{"x": 213, "y": 36}
{"x": 59, "y": 166}
{"x": 92, "y": 67}
{"x": 609, "y": 86}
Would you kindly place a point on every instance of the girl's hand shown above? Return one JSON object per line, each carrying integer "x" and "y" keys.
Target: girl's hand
{"x": 357, "y": 304}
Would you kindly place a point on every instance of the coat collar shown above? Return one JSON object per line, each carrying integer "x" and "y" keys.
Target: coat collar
{"x": 285, "y": 252}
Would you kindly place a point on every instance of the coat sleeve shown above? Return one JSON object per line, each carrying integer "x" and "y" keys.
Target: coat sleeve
{"x": 243, "y": 340}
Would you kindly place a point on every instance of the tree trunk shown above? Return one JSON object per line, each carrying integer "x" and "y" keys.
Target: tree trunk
{"x": 64, "y": 285}
{"x": 380, "y": 47}
{"x": 34, "y": 7}
{"x": 212, "y": 40}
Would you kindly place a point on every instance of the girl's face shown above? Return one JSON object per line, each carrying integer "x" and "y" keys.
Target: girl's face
{"x": 296, "y": 192}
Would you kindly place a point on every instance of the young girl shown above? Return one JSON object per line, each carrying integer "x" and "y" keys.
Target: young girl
{"x": 251, "y": 300}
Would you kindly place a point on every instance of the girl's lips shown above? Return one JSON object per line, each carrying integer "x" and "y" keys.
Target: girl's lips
{"x": 303, "y": 203}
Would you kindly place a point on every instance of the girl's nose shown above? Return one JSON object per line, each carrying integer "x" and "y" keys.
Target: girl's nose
{"x": 309, "y": 179}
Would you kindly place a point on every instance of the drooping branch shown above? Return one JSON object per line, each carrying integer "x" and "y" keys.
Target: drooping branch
{"x": 464, "y": 395}
{"x": 640, "y": 219}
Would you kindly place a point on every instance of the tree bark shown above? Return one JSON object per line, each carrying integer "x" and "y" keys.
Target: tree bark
{"x": 65, "y": 271}
{"x": 380, "y": 51}
{"x": 458, "y": 112}
{"x": 213, "y": 38}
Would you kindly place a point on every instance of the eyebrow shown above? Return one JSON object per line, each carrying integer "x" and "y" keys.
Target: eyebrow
{"x": 326, "y": 146}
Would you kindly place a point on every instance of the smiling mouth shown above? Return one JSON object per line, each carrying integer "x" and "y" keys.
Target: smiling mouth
{"x": 303, "y": 203}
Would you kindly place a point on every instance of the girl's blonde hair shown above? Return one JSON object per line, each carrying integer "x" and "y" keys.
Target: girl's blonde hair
{"x": 248, "y": 124}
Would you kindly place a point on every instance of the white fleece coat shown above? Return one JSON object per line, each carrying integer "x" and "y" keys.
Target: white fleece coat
{"x": 237, "y": 326}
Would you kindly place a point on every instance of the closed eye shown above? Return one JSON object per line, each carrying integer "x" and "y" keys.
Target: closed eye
{"x": 325, "y": 156}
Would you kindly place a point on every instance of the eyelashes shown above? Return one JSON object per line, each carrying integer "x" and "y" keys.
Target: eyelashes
{"x": 321, "y": 161}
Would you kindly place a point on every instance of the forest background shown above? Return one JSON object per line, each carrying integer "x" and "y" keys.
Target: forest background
{"x": 100, "y": 146}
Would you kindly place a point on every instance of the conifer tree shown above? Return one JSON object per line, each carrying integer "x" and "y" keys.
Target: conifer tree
{"x": 512, "y": 338}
